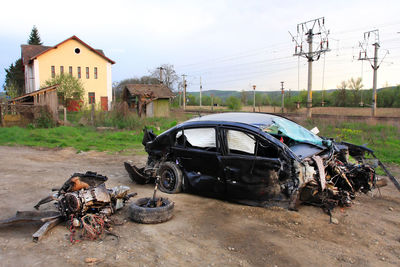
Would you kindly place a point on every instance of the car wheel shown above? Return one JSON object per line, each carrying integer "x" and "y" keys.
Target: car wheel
{"x": 170, "y": 178}
{"x": 139, "y": 212}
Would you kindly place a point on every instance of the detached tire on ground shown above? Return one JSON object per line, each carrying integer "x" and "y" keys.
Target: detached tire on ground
{"x": 138, "y": 211}
{"x": 170, "y": 178}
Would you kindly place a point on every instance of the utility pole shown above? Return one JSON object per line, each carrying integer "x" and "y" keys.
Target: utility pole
{"x": 184, "y": 91}
{"x": 375, "y": 67}
{"x": 373, "y": 61}
{"x": 161, "y": 69}
{"x": 212, "y": 102}
{"x": 313, "y": 29}
{"x": 323, "y": 85}
{"x": 254, "y": 98}
{"x": 283, "y": 98}
{"x": 201, "y": 87}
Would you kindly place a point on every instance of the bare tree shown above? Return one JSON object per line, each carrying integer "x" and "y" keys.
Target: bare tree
{"x": 169, "y": 76}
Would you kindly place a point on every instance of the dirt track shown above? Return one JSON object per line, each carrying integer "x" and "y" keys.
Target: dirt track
{"x": 204, "y": 232}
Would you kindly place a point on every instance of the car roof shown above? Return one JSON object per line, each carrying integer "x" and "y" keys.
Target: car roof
{"x": 255, "y": 119}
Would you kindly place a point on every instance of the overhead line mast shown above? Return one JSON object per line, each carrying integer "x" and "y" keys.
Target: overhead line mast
{"x": 307, "y": 32}
{"x": 363, "y": 55}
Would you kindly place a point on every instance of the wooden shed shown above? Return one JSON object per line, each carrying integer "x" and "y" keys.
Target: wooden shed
{"x": 150, "y": 100}
{"x": 44, "y": 97}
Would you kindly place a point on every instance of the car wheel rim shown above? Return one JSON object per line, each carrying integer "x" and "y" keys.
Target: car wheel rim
{"x": 168, "y": 179}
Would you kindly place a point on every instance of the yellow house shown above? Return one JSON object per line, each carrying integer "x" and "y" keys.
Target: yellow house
{"x": 72, "y": 56}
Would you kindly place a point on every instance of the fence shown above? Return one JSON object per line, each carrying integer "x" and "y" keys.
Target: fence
{"x": 19, "y": 114}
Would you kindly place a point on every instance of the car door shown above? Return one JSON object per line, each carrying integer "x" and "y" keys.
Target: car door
{"x": 197, "y": 152}
{"x": 250, "y": 165}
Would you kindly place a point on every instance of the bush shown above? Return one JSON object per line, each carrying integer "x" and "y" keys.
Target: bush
{"x": 233, "y": 103}
{"x": 45, "y": 120}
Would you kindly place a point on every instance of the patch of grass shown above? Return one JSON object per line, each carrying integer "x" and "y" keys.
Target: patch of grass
{"x": 383, "y": 139}
{"x": 80, "y": 138}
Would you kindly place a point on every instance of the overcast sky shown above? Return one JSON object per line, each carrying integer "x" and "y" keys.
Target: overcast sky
{"x": 230, "y": 44}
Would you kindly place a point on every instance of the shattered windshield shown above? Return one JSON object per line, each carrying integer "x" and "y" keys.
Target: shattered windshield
{"x": 283, "y": 127}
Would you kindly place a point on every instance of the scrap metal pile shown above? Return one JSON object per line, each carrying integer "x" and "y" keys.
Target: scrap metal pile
{"x": 83, "y": 201}
{"x": 331, "y": 179}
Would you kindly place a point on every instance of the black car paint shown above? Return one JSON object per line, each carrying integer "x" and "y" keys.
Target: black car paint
{"x": 223, "y": 175}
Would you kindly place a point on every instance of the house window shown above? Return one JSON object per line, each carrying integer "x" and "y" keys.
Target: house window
{"x": 95, "y": 72}
{"x": 79, "y": 72}
{"x": 61, "y": 69}
{"x": 87, "y": 72}
{"x": 91, "y": 98}
{"x": 53, "y": 71}
{"x": 70, "y": 70}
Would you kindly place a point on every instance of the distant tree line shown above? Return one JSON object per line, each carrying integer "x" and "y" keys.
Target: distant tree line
{"x": 348, "y": 94}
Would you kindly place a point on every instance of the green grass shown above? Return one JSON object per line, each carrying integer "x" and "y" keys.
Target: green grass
{"x": 80, "y": 138}
{"x": 83, "y": 138}
{"x": 383, "y": 139}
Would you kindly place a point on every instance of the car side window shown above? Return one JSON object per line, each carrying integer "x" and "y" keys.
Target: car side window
{"x": 267, "y": 150}
{"x": 180, "y": 139}
{"x": 240, "y": 142}
{"x": 201, "y": 138}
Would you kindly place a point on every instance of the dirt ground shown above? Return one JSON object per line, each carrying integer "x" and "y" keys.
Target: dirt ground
{"x": 203, "y": 232}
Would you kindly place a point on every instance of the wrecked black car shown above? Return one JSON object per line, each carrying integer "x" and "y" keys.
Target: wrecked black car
{"x": 256, "y": 159}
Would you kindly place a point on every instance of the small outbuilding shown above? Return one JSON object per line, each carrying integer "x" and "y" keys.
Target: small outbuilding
{"x": 44, "y": 97}
{"x": 150, "y": 100}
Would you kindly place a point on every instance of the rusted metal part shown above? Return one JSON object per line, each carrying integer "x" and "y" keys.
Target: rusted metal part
{"x": 44, "y": 201}
{"x": 83, "y": 198}
{"x": 38, "y": 235}
{"x": 31, "y": 216}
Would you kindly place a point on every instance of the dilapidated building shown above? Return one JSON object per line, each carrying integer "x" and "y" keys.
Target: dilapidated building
{"x": 150, "y": 100}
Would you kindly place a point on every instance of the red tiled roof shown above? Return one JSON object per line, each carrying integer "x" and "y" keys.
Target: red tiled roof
{"x": 30, "y": 52}
{"x": 158, "y": 90}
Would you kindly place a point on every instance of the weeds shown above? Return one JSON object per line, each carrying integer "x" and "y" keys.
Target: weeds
{"x": 383, "y": 139}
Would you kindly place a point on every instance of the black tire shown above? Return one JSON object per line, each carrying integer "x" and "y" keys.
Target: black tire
{"x": 170, "y": 178}
{"x": 138, "y": 211}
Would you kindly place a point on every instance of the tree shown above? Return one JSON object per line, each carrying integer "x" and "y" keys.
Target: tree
{"x": 259, "y": 99}
{"x": 69, "y": 87}
{"x": 34, "y": 37}
{"x": 169, "y": 76}
{"x": 14, "y": 81}
{"x": 341, "y": 97}
{"x": 191, "y": 100}
{"x": 233, "y": 103}
{"x": 356, "y": 86}
{"x": 243, "y": 97}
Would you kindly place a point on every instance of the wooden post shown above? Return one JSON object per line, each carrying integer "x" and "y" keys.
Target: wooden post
{"x": 92, "y": 115}
{"x": 65, "y": 116}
